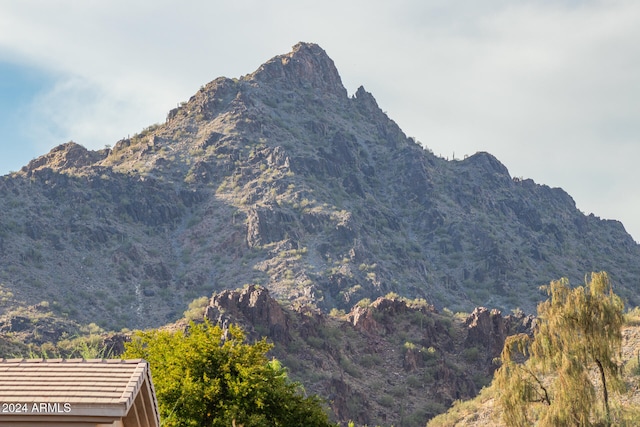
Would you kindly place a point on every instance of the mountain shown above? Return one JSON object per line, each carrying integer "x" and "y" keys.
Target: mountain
{"x": 281, "y": 179}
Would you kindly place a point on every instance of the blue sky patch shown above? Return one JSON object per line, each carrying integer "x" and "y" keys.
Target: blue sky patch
{"x": 19, "y": 86}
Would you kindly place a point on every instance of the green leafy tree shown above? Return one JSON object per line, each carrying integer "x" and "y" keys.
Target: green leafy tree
{"x": 545, "y": 379}
{"x": 207, "y": 377}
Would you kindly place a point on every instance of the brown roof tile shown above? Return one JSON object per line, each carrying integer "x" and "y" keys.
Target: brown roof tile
{"x": 99, "y": 381}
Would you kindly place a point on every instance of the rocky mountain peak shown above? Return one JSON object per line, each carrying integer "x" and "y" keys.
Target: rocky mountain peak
{"x": 307, "y": 66}
{"x": 279, "y": 179}
{"x": 66, "y": 156}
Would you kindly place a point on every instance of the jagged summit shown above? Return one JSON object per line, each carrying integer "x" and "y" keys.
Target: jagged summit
{"x": 307, "y": 66}
{"x": 290, "y": 91}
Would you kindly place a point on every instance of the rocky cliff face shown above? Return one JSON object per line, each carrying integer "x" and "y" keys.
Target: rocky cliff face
{"x": 254, "y": 310}
{"x": 392, "y": 361}
{"x": 280, "y": 179}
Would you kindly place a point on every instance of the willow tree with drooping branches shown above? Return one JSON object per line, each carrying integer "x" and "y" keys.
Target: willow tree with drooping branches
{"x": 545, "y": 379}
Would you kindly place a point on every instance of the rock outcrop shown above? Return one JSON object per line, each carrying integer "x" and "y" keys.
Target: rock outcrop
{"x": 253, "y": 309}
{"x": 488, "y": 329}
{"x": 405, "y": 345}
{"x": 67, "y": 156}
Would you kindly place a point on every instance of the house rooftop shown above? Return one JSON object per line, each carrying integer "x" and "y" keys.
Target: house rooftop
{"x": 69, "y": 391}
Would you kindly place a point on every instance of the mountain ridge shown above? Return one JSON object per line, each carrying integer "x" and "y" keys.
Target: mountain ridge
{"x": 280, "y": 179}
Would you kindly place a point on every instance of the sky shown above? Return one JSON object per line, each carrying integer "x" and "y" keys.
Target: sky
{"x": 549, "y": 87}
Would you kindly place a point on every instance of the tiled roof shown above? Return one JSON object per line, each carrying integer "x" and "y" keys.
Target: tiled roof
{"x": 108, "y": 384}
